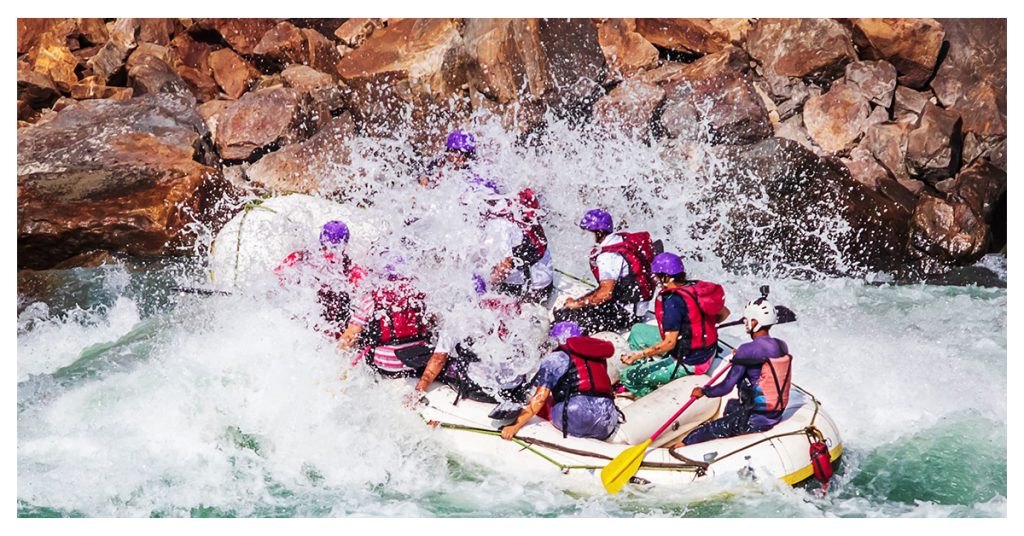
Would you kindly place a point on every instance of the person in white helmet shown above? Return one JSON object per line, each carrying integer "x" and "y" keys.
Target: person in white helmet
{"x": 761, "y": 370}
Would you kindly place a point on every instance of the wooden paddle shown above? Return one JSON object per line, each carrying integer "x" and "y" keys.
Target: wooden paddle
{"x": 617, "y": 473}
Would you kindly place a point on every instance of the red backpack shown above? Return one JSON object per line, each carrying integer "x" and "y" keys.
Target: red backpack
{"x": 704, "y": 300}
{"x": 638, "y": 250}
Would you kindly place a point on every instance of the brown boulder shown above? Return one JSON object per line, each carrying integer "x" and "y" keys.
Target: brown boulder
{"x": 306, "y": 79}
{"x": 112, "y": 175}
{"x": 875, "y": 79}
{"x": 210, "y": 112}
{"x": 933, "y": 148}
{"x": 284, "y": 44}
{"x": 949, "y": 231}
{"x": 625, "y": 50}
{"x": 836, "y": 119}
{"x": 629, "y": 107}
{"x": 158, "y": 31}
{"x": 192, "y": 63}
{"x": 972, "y": 77}
{"x": 111, "y": 56}
{"x": 992, "y": 149}
{"x": 788, "y": 94}
{"x": 93, "y": 31}
{"x": 354, "y": 32}
{"x": 149, "y": 73}
{"x": 909, "y": 105}
{"x": 693, "y": 36}
{"x": 95, "y": 87}
{"x": 556, "y": 62}
{"x": 793, "y": 129}
{"x": 410, "y": 74}
{"x": 309, "y": 165}
{"x": 232, "y": 73}
{"x": 322, "y": 54}
{"x": 35, "y": 89}
{"x": 888, "y": 144}
{"x": 910, "y": 45}
{"x": 713, "y": 99}
{"x": 30, "y": 31}
{"x": 242, "y": 35}
{"x": 980, "y": 186}
{"x": 51, "y": 57}
{"x": 261, "y": 120}
{"x": 869, "y": 172}
{"x": 811, "y": 48}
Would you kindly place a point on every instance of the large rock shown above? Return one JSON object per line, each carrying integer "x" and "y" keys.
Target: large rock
{"x": 875, "y": 79}
{"x": 261, "y": 120}
{"x": 158, "y": 31}
{"x": 192, "y": 63}
{"x": 811, "y": 48}
{"x": 693, "y": 36}
{"x": 313, "y": 165}
{"x": 836, "y": 119}
{"x": 869, "y": 172}
{"x": 711, "y": 100}
{"x": 972, "y": 77}
{"x": 788, "y": 94}
{"x": 629, "y": 107}
{"x": 795, "y": 209}
{"x": 992, "y": 149}
{"x": 887, "y": 143}
{"x": 232, "y": 72}
{"x": 354, "y": 32}
{"x": 911, "y": 45}
{"x": 51, "y": 57}
{"x": 908, "y": 105}
{"x": 625, "y": 50}
{"x": 408, "y": 75}
{"x": 35, "y": 89}
{"x": 31, "y": 31}
{"x": 112, "y": 175}
{"x": 151, "y": 73}
{"x": 111, "y": 56}
{"x": 933, "y": 148}
{"x": 980, "y": 186}
{"x": 949, "y": 231}
{"x": 242, "y": 35}
{"x": 556, "y": 62}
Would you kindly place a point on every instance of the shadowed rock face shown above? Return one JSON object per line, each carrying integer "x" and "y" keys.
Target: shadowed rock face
{"x": 798, "y": 189}
{"x": 113, "y": 175}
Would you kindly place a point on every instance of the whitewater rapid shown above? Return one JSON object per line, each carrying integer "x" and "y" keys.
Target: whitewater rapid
{"x": 136, "y": 400}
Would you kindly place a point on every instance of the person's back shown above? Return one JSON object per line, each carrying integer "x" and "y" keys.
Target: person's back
{"x": 762, "y": 374}
{"x": 391, "y": 319}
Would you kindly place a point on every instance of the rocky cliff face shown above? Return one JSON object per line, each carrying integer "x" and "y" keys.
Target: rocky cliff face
{"x": 126, "y": 127}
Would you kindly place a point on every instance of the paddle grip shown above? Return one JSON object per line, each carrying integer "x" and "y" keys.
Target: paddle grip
{"x": 687, "y": 405}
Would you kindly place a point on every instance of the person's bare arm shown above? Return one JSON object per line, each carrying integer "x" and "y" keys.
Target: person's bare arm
{"x": 532, "y": 408}
{"x": 433, "y": 369}
{"x": 501, "y": 271}
{"x": 348, "y": 338}
{"x": 597, "y": 296}
{"x": 722, "y": 315}
{"x": 666, "y": 344}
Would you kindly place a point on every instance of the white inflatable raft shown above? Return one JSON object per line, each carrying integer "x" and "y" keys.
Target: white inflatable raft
{"x": 254, "y": 241}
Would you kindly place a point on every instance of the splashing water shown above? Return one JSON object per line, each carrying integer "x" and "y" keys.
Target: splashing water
{"x": 138, "y": 401}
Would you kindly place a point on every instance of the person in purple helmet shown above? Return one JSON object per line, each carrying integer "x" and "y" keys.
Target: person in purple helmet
{"x": 331, "y": 270}
{"x": 460, "y": 151}
{"x": 688, "y": 312}
{"x": 620, "y": 263}
{"x": 574, "y": 380}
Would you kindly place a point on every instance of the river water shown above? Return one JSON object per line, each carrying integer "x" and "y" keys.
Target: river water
{"x": 136, "y": 400}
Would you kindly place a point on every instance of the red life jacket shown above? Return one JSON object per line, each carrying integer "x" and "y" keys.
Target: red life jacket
{"x": 587, "y": 373}
{"x": 399, "y": 309}
{"x": 535, "y": 241}
{"x": 638, "y": 251}
{"x": 704, "y": 300}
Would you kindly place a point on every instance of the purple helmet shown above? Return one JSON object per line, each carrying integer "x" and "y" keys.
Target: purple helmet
{"x": 479, "y": 285}
{"x": 462, "y": 141}
{"x": 487, "y": 186}
{"x": 597, "y": 220}
{"x": 563, "y": 330}
{"x": 334, "y": 232}
{"x": 667, "y": 263}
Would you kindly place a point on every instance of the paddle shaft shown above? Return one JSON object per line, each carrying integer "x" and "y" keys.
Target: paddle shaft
{"x": 688, "y": 404}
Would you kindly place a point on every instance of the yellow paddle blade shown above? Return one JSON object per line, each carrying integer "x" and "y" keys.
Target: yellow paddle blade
{"x": 617, "y": 473}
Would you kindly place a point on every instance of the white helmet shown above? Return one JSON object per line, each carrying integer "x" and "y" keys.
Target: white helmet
{"x": 759, "y": 310}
